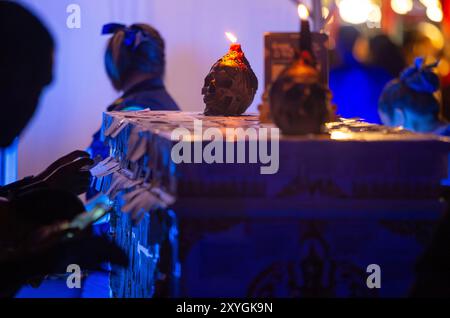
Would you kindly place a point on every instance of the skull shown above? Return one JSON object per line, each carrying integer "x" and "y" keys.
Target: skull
{"x": 230, "y": 87}
{"x": 299, "y": 103}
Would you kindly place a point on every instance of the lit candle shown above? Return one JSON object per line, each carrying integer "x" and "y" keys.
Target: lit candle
{"x": 234, "y": 46}
{"x": 305, "y": 30}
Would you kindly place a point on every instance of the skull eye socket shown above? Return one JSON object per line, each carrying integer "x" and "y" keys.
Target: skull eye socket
{"x": 208, "y": 80}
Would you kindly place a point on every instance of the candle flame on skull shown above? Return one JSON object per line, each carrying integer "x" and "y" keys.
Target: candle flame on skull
{"x": 230, "y": 36}
{"x": 303, "y": 11}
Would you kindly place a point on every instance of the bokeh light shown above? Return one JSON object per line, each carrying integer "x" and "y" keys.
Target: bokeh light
{"x": 402, "y": 6}
{"x": 355, "y": 11}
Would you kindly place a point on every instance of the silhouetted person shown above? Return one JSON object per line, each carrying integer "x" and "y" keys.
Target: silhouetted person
{"x": 409, "y": 101}
{"x": 35, "y": 214}
{"x": 355, "y": 86}
{"x": 26, "y": 64}
{"x": 433, "y": 267}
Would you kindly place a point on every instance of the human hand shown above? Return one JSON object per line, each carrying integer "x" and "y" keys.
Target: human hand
{"x": 53, "y": 256}
{"x": 74, "y": 155}
{"x": 38, "y": 207}
{"x": 70, "y": 173}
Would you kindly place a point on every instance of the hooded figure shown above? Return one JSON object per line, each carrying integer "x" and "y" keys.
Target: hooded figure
{"x": 410, "y": 102}
{"x": 135, "y": 63}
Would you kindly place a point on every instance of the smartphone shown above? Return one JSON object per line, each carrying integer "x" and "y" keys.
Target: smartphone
{"x": 86, "y": 219}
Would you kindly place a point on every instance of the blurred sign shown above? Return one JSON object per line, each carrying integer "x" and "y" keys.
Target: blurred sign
{"x": 280, "y": 51}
